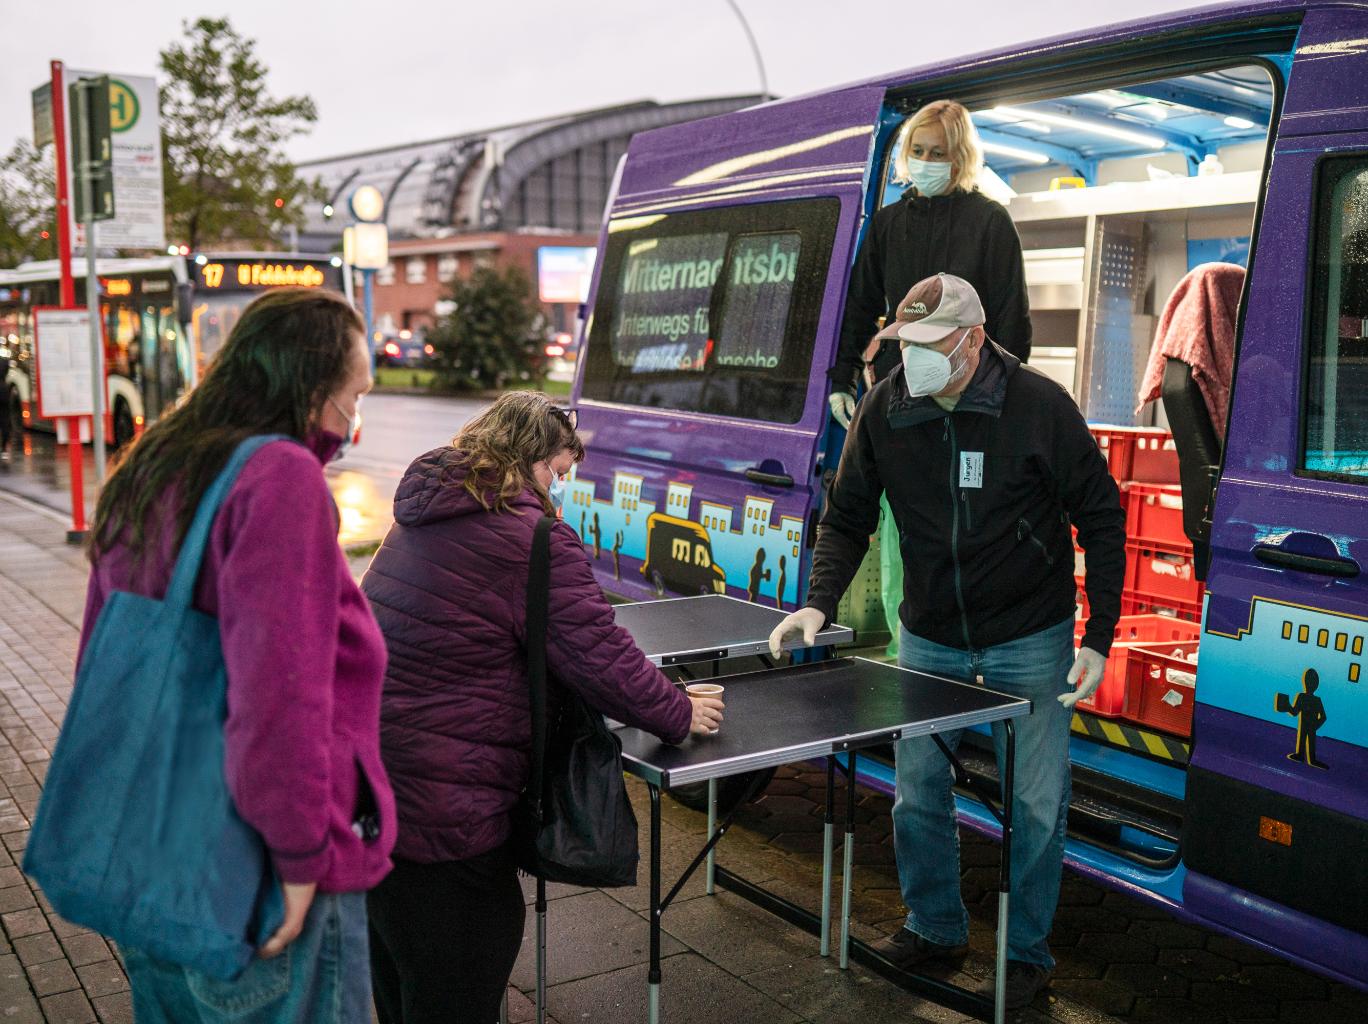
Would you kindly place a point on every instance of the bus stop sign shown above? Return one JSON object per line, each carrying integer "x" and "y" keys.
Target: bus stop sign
{"x": 93, "y": 148}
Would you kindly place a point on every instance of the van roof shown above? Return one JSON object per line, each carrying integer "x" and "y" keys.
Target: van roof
{"x": 669, "y": 162}
{"x": 1273, "y": 12}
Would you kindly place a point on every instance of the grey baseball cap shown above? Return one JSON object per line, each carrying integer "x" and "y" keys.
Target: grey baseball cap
{"x": 933, "y": 308}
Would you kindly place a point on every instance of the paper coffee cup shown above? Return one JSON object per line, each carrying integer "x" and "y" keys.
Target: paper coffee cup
{"x": 705, "y": 690}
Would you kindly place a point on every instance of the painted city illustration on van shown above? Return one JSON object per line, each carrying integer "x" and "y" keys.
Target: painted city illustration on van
{"x": 684, "y": 553}
{"x": 1313, "y": 662}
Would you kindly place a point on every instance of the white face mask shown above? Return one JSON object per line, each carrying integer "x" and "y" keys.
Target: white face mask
{"x": 931, "y": 178}
{"x": 353, "y": 428}
{"x": 928, "y": 372}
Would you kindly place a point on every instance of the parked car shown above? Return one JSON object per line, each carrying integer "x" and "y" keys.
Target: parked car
{"x": 406, "y": 348}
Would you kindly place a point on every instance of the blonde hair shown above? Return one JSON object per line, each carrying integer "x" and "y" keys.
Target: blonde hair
{"x": 961, "y": 137}
{"x": 503, "y": 443}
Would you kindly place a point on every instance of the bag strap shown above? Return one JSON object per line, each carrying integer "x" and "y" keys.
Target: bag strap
{"x": 181, "y": 590}
{"x": 538, "y": 588}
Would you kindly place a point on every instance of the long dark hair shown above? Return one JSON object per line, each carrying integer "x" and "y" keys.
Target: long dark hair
{"x": 504, "y": 443}
{"x": 286, "y": 354}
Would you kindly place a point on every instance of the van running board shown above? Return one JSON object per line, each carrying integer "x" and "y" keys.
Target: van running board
{"x": 1099, "y": 809}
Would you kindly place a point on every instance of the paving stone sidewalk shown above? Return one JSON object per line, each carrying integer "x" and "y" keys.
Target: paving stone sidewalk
{"x": 50, "y": 971}
{"x": 724, "y": 961}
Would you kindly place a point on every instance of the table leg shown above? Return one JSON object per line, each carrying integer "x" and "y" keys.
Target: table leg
{"x": 653, "y": 974}
{"x": 849, "y": 860}
{"x": 827, "y": 832}
{"x": 1005, "y": 880}
{"x": 541, "y": 951}
{"x": 503, "y": 1008}
{"x": 710, "y": 876}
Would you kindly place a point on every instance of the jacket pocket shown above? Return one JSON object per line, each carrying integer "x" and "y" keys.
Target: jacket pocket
{"x": 1025, "y": 533}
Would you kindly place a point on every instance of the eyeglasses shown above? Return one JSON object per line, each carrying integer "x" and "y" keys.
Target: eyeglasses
{"x": 570, "y": 416}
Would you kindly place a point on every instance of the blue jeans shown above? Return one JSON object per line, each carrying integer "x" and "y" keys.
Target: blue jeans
{"x": 323, "y": 977}
{"x": 925, "y": 834}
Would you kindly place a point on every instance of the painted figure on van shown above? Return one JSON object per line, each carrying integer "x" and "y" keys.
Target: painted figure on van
{"x": 617, "y": 550}
{"x": 783, "y": 578}
{"x": 942, "y": 223}
{"x": 985, "y": 463}
{"x": 758, "y": 574}
{"x": 1309, "y": 711}
{"x": 597, "y": 533}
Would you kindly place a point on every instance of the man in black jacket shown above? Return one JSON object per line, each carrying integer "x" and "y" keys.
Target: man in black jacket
{"x": 985, "y": 462}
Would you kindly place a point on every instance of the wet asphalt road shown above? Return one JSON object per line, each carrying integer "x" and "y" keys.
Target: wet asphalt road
{"x": 396, "y": 429}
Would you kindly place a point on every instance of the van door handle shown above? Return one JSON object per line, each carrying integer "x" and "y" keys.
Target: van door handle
{"x": 1270, "y": 554}
{"x": 772, "y": 479}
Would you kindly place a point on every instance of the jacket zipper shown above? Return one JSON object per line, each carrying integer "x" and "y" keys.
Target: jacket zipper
{"x": 1024, "y": 532}
{"x": 954, "y": 531}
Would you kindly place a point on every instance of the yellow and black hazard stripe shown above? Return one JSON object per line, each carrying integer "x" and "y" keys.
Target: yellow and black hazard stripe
{"x": 1123, "y": 734}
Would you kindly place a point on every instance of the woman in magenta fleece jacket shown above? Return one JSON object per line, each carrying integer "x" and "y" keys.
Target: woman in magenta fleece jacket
{"x": 449, "y": 589}
{"x": 304, "y": 657}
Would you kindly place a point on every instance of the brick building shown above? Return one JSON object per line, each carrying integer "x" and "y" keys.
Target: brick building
{"x": 497, "y": 196}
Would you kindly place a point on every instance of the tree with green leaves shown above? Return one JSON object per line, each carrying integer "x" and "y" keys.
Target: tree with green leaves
{"x": 28, "y": 219}
{"x": 227, "y": 176}
{"x": 486, "y": 342}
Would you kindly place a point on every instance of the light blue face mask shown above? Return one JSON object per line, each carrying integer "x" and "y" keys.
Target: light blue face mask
{"x": 556, "y": 492}
{"x": 353, "y": 428}
{"x": 930, "y": 178}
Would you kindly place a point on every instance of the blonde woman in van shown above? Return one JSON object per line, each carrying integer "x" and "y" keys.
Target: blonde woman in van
{"x": 941, "y": 225}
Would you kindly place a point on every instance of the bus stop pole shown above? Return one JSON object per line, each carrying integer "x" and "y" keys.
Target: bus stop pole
{"x": 67, "y": 291}
{"x": 97, "y": 376}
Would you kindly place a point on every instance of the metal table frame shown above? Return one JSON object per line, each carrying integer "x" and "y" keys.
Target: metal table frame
{"x": 683, "y": 654}
{"x": 940, "y": 991}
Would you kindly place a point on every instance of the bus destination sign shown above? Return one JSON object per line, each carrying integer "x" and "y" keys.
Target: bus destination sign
{"x": 251, "y": 275}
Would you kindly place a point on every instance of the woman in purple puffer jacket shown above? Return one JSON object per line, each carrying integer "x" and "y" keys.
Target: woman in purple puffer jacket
{"x": 449, "y": 589}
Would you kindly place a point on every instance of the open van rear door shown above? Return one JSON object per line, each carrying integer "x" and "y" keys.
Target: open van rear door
{"x": 714, "y": 316}
{"x": 1276, "y": 805}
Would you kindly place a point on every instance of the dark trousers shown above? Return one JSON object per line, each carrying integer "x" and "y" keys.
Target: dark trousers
{"x": 443, "y": 939}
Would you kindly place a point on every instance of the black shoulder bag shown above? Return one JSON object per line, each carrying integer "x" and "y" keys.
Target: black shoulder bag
{"x": 574, "y": 823}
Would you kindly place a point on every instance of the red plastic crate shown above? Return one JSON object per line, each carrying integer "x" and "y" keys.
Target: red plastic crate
{"x": 1162, "y": 577}
{"x": 1110, "y": 698}
{"x": 1156, "y": 458}
{"x": 1161, "y": 685}
{"x": 1190, "y": 612}
{"x": 1154, "y": 517}
{"x": 1145, "y": 454}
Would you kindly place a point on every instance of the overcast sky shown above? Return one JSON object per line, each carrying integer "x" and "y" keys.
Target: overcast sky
{"x": 404, "y": 70}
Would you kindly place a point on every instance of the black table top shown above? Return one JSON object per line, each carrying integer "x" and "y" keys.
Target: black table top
{"x": 710, "y": 627}
{"x": 789, "y": 714}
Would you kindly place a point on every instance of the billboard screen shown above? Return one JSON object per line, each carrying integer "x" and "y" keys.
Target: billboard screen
{"x": 563, "y": 272}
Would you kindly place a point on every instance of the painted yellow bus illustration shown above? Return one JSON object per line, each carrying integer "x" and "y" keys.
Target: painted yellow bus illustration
{"x": 679, "y": 557}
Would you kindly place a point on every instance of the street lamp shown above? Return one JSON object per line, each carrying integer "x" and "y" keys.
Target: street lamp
{"x": 365, "y": 246}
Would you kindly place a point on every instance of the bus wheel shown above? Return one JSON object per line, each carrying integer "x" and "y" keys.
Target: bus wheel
{"x": 732, "y": 791}
{"x": 658, "y": 581}
{"x": 123, "y": 424}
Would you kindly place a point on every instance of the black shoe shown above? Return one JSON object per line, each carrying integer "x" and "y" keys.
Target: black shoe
{"x": 1025, "y": 981}
{"x": 906, "y": 949}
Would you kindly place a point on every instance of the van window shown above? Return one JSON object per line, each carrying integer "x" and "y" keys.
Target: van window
{"x": 1335, "y": 412}
{"x": 760, "y": 272}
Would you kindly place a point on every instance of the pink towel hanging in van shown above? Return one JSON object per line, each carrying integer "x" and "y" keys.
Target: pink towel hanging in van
{"x": 1198, "y": 327}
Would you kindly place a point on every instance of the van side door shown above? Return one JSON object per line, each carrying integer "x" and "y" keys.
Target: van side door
{"x": 1275, "y": 790}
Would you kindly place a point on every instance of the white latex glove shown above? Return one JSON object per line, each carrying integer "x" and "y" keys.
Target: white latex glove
{"x": 805, "y": 620}
{"x": 1084, "y": 677}
{"x": 842, "y": 407}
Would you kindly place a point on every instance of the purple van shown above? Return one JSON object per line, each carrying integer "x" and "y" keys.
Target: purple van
{"x": 1126, "y": 157}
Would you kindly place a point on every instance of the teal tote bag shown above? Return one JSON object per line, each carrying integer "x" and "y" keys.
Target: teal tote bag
{"x": 136, "y": 835}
